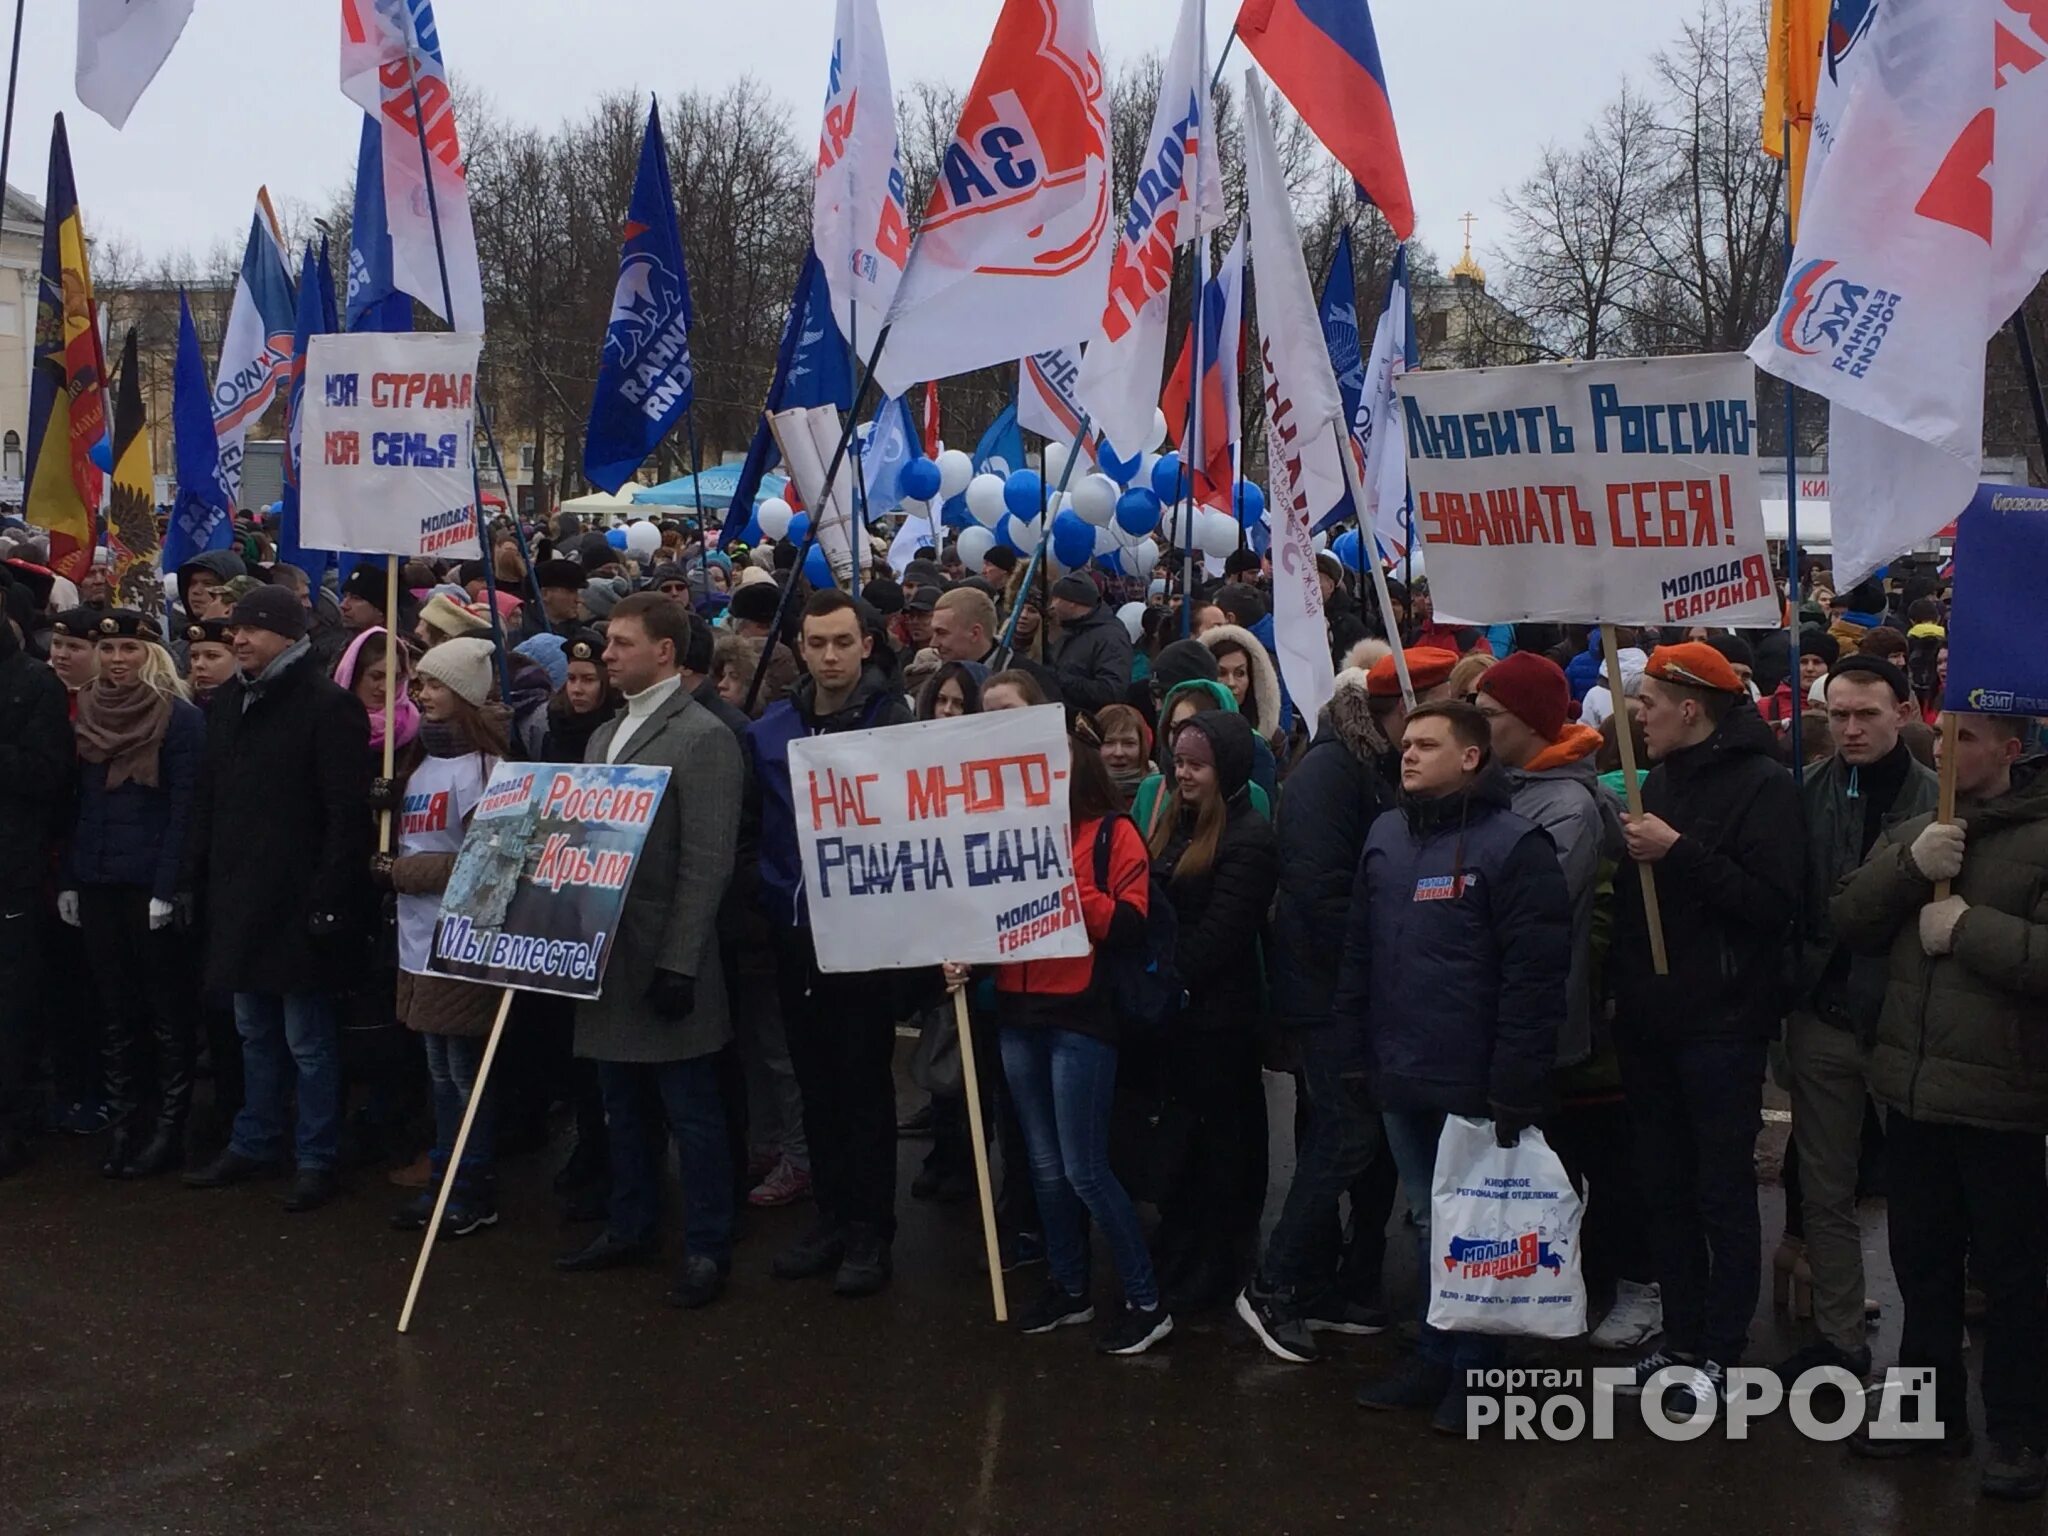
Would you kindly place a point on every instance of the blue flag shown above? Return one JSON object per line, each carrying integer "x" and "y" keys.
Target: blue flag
{"x": 646, "y": 379}
{"x": 812, "y": 367}
{"x": 1340, "y": 326}
{"x": 203, "y": 518}
{"x": 317, "y": 317}
{"x": 374, "y": 301}
{"x": 2001, "y": 559}
{"x": 891, "y": 445}
{"x": 1001, "y": 448}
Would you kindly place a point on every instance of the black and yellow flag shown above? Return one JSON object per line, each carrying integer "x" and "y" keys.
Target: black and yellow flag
{"x": 131, "y": 513}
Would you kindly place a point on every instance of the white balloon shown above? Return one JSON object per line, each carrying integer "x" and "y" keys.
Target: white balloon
{"x": 974, "y": 545}
{"x": 1055, "y": 462}
{"x": 1147, "y": 462}
{"x": 1141, "y": 560}
{"x": 1133, "y": 615}
{"x": 643, "y": 538}
{"x": 1095, "y": 500}
{"x": 1216, "y": 535}
{"x": 1024, "y": 533}
{"x": 985, "y": 499}
{"x": 1105, "y": 541}
{"x": 955, "y": 470}
{"x": 773, "y": 515}
{"x": 1125, "y": 539}
{"x": 1159, "y": 428}
{"x": 1320, "y": 542}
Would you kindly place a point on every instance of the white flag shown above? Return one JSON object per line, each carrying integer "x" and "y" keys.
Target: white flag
{"x": 257, "y": 347}
{"x": 1045, "y": 393}
{"x": 1013, "y": 253}
{"x": 121, "y": 46}
{"x": 858, "y": 224}
{"x": 389, "y": 48}
{"x": 1925, "y": 222}
{"x": 1377, "y": 428}
{"x": 1179, "y": 194}
{"x": 1304, "y": 414}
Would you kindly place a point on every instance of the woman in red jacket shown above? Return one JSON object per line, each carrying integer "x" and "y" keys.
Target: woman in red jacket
{"x": 1059, "y": 1040}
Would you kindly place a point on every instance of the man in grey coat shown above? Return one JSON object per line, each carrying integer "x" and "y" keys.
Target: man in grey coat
{"x": 656, "y": 1032}
{"x": 1094, "y": 656}
{"x": 1550, "y": 762}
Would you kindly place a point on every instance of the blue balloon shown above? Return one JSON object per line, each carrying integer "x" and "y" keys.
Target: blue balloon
{"x": 1122, "y": 471}
{"x": 1073, "y": 541}
{"x": 1346, "y": 549}
{"x": 955, "y": 514}
{"x": 920, "y": 479}
{"x": 1166, "y": 481}
{"x": 1249, "y": 502}
{"x": 1113, "y": 562}
{"x": 1023, "y": 492}
{"x": 799, "y": 527}
{"x": 817, "y": 569}
{"x": 1137, "y": 510}
{"x": 616, "y": 538}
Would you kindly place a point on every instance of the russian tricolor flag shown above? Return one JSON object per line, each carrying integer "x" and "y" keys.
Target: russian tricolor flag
{"x": 1323, "y": 56}
{"x": 1218, "y": 427}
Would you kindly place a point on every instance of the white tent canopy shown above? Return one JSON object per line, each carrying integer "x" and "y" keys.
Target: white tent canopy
{"x": 1816, "y": 528}
{"x": 602, "y": 503}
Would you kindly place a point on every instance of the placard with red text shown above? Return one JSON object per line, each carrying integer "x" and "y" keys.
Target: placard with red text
{"x": 1620, "y": 491}
{"x": 946, "y": 840}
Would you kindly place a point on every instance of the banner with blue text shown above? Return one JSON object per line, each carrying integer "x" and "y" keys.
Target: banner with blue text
{"x": 948, "y": 840}
{"x": 1580, "y": 492}
{"x": 2001, "y": 571}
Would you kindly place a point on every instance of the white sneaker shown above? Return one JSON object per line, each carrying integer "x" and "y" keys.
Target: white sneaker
{"x": 1636, "y": 1317}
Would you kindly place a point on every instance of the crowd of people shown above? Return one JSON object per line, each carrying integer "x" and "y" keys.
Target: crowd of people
{"x": 1417, "y": 909}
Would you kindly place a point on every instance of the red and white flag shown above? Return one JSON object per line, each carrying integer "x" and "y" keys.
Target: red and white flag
{"x": 1179, "y": 194}
{"x": 1013, "y": 255}
{"x": 858, "y": 224}
{"x": 1924, "y": 224}
{"x": 389, "y": 47}
{"x": 1304, "y": 414}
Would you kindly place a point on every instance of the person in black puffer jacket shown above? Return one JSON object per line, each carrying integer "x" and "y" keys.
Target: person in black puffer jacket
{"x": 1721, "y": 829}
{"x": 1456, "y": 958}
{"x": 141, "y": 745}
{"x": 1221, "y": 863}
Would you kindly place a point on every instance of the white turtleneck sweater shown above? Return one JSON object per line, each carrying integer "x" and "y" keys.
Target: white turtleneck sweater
{"x": 639, "y": 707}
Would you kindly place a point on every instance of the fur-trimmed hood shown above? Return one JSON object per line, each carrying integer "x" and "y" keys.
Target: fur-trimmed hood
{"x": 1348, "y": 716}
{"x": 1265, "y": 696}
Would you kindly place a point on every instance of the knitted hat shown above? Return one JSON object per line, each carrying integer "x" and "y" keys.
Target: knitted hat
{"x": 756, "y": 601}
{"x": 1533, "y": 689}
{"x": 1076, "y": 588}
{"x": 1184, "y": 661}
{"x": 550, "y": 652}
{"x": 884, "y": 595}
{"x": 271, "y": 608}
{"x": 754, "y": 576}
{"x": 366, "y": 584}
{"x": 445, "y": 616}
{"x": 1428, "y": 667}
{"x": 1694, "y": 664}
{"x": 602, "y": 595}
{"x": 1858, "y": 665}
{"x": 464, "y": 666}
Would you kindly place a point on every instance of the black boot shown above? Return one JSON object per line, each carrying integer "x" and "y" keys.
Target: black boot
{"x": 164, "y": 1153}
{"x": 865, "y": 1267}
{"x": 122, "y": 1148}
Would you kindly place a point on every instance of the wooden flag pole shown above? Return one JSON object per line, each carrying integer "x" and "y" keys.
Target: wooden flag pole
{"x": 1946, "y": 805}
{"x": 1624, "y": 738}
{"x": 1366, "y": 535}
{"x": 476, "y": 1095}
{"x": 988, "y": 1200}
{"x": 390, "y": 692}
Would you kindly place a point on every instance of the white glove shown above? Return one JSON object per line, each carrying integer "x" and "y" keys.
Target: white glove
{"x": 160, "y": 914}
{"x": 1938, "y": 921}
{"x": 1938, "y": 851}
{"x": 67, "y": 907}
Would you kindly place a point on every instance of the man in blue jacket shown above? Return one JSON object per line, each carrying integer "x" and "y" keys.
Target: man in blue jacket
{"x": 841, "y": 1027}
{"x": 1456, "y": 964}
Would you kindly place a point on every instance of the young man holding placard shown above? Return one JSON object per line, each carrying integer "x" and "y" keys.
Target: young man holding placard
{"x": 657, "y": 1030}
{"x": 1720, "y": 827}
{"x": 841, "y": 1026}
{"x": 1958, "y": 1067}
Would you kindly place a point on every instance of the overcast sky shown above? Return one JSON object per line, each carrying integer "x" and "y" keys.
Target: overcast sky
{"x": 252, "y": 95}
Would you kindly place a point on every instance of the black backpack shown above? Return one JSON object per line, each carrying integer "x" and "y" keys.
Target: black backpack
{"x": 1142, "y": 981}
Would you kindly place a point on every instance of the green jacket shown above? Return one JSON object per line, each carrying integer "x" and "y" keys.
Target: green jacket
{"x": 1963, "y": 1037}
{"x": 1834, "y": 849}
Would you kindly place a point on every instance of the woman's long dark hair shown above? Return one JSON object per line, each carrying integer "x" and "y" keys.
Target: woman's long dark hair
{"x": 1091, "y": 792}
{"x": 483, "y": 726}
{"x": 928, "y": 696}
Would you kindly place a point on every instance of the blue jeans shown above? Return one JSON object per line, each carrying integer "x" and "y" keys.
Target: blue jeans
{"x": 452, "y": 1063}
{"x": 287, "y": 1038}
{"x": 1062, "y": 1084}
{"x": 1412, "y": 1137}
{"x": 644, "y": 1100}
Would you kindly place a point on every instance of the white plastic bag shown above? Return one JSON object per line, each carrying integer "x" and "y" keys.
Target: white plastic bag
{"x": 1504, "y": 1231}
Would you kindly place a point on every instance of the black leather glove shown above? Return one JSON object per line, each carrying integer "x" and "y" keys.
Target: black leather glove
{"x": 383, "y": 794}
{"x": 1508, "y": 1125}
{"x": 672, "y": 996}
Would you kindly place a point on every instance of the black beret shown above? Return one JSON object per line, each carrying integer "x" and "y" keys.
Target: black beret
{"x": 209, "y": 632}
{"x": 77, "y": 624}
{"x": 126, "y": 624}
{"x": 584, "y": 645}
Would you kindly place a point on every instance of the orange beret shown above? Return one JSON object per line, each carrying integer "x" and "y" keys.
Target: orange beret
{"x": 1695, "y": 664}
{"x": 1428, "y": 667}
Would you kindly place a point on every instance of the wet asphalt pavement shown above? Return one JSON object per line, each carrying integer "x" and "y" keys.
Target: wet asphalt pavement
{"x": 183, "y": 1361}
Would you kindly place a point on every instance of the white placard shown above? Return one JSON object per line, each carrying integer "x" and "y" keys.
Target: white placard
{"x": 947, "y": 840}
{"x": 1580, "y": 492}
{"x": 390, "y": 444}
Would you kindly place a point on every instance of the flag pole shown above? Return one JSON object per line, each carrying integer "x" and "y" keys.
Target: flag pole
{"x": 13, "y": 79}
{"x": 483, "y": 416}
{"x": 483, "y": 536}
{"x": 1193, "y": 447}
{"x": 697, "y": 491}
{"x": 1791, "y": 505}
{"x": 2023, "y": 333}
{"x": 1044, "y": 539}
{"x": 860, "y": 395}
{"x": 1379, "y": 571}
